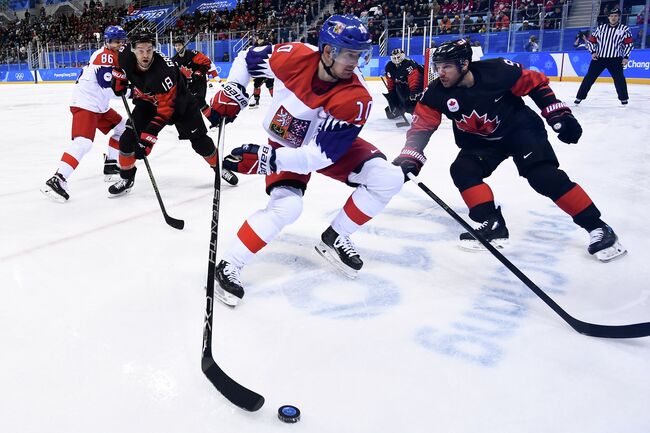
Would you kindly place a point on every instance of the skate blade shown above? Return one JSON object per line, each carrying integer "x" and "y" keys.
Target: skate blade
{"x": 120, "y": 194}
{"x": 111, "y": 177}
{"x": 474, "y": 245}
{"x": 325, "y": 252}
{"x": 608, "y": 254}
{"x": 49, "y": 193}
{"x": 225, "y": 297}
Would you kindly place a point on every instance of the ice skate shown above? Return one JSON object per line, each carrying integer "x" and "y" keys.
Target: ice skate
{"x": 340, "y": 252}
{"x": 604, "y": 244}
{"x": 493, "y": 230}
{"x": 121, "y": 187}
{"x": 56, "y": 188}
{"x": 228, "y": 289}
{"x": 255, "y": 103}
{"x": 111, "y": 170}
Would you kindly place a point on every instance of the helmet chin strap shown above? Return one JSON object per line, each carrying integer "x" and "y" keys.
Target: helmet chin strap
{"x": 328, "y": 69}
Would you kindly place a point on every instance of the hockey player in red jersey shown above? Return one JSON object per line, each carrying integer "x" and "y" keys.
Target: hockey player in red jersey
{"x": 491, "y": 123}
{"x": 161, "y": 97}
{"x": 319, "y": 106}
{"x": 91, "y": 112}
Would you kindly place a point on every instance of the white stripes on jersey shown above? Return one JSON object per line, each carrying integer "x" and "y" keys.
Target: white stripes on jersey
{"x": 607, "y": 41}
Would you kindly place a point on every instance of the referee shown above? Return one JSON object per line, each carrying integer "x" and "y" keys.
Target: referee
{"x": 610, "y": 46}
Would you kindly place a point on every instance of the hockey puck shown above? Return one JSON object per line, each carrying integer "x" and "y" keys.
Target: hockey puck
{"x": 289, "y": 414}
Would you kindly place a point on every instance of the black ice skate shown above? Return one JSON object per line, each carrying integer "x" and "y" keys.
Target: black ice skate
{"x": 493, "y": 230}
{"x": 229, "y": 177}
{"x": 111, "y": 170}
{"x": 228, "y": 288}
{"x": 56, "y": 188}
{"x": 255, "y": 103}
{"x": 121, "y": 187}
{"x": 604, "y": 244}
{"x": 340, "y": 252}
{"x": 577, "y": 101}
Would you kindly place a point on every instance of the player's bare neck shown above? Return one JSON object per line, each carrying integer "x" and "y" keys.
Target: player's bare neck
{"x": 323, "y": 75}
{"x": 468, "y": 80}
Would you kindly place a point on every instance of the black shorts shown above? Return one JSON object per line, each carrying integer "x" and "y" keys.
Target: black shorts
{"x": 189, "y": 125}
{"x": 528, "y": 145}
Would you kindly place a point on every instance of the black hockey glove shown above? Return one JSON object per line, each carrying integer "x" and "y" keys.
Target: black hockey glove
{"x": 559, "y": 117}
{"x": 410, "y": 160}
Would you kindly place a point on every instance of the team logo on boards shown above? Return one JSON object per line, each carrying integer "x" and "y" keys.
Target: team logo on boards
{"x": 452, "y": 105}
{"x": 479, "y": 125}
{"x": 288, "y": 127}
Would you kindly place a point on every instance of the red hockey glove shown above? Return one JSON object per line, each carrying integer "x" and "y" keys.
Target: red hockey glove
{"x": 559, "y": 117}
{"x": 119, "y": 82}
{"x": 410, "y": 160}
{"x": 145, "y": 144}
{"x": 227, "y": 103}
{"x": 251, "y": 159}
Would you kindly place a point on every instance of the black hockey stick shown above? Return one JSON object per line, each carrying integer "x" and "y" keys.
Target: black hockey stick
{"x": 398, "y": 124}
{"x": 635, "y": 330}
{"x": 173, "y": 222}
{"x": 233, "y": 391}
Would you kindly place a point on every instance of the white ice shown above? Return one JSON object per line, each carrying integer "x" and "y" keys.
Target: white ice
{"x": 101, "y": 303}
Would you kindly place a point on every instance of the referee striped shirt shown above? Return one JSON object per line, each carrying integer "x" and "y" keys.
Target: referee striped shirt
{"x": 607, "y": 41}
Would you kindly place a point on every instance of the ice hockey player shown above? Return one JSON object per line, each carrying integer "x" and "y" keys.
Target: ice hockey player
{"x": 405, "y": 82}
{"x": 90, "y": 112}
{"x": 260, "y": 44}
{"x": 160, "y": 97}
{"x": 196, "y": 68}
{"x": 491, "y": 123}
{"x": 320, "y": 105}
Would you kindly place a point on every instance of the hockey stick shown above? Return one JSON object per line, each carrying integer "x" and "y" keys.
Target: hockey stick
{"x": 233, "y": 391}
{"x": 635, "y": 330}
{"x": 398, "y": 124}
{"x": 173, "y": 222}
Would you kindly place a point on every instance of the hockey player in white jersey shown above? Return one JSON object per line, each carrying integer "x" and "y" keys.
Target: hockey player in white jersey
{"x": 319, "y": 106}
{"x": 91, "y": 112}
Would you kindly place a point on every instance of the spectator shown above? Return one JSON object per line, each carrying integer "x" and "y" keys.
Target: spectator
{"x": 532, "y": 46}
{"x": 581, "y": 40}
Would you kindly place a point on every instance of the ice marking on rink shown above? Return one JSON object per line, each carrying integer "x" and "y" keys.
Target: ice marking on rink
{"x": 498, "y": 310}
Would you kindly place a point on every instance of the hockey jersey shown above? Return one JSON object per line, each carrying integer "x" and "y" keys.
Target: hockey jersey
{"x": 92, "y": 91}
{"x": 408, "y": 72}
{"x": 314, "y": 129}
{"x": 489, "y": 110}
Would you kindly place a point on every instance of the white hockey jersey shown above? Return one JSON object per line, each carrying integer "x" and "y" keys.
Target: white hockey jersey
{"x": 93, "y": 88}
{"x": 314, "y": 129}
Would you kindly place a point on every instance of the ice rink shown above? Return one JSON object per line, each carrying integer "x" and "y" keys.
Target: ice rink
{"x": 101, "y": 303}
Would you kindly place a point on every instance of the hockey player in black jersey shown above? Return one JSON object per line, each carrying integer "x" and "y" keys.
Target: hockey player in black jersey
{"x": 195, "y": 67}
{"x": 491, "y": 123}
{"x": 161, "y": 97}
{"x": 405, "y": 81}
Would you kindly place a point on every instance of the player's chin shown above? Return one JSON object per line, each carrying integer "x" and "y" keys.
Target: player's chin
{"x": 347, "y": 73}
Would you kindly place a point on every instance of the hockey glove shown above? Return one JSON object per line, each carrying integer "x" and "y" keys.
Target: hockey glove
{"x": 227, "y": 103}
{"x": 559, "y": 117}
{"x": 410, "y": 160}
{"x": 119, "y": 82}
{"x": 251, "y": 159}
{"x": 145, "y": 144}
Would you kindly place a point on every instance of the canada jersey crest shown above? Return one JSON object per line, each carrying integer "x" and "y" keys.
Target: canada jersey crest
{"x": 479, "y": 125}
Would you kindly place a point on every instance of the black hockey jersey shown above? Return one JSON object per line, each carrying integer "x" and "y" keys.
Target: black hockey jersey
{"x": 408, "y": 72}
{"x": 194, "y": 61}
{"x": 161, "y": 85}
{"x": 486, "y": 112}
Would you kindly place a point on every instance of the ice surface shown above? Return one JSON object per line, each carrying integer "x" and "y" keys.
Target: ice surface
{"x": 101, "y": 303}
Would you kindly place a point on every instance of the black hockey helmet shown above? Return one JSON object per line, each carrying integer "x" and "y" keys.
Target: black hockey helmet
{"x": 142, "y": 35}
{"x": 397, "y": 56}
{"x": 458, "y": 50}
{"x": 178, "y": 40}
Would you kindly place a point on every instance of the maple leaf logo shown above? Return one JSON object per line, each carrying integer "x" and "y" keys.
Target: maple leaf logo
{"x": 479, "y": 125}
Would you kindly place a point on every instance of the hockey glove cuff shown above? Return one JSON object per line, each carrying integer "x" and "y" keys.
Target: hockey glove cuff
{"x": 559, "y": 117}
{"x": 251, "y": 159}
{"x": 119, "y": 82}
{"x": 145, "y": 144}
{"x": 410, "y": 160}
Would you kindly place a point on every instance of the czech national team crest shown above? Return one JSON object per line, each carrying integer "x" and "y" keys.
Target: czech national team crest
{"x": 479, "y": 125}
{"x": 288, "y": 127}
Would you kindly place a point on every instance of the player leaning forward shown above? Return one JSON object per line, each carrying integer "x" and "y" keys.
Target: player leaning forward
{"x": 161, "y": 97}
{"x": 91, "y": 112}
{"x": 491, "y": 123}
{"x": 319, "y": 106}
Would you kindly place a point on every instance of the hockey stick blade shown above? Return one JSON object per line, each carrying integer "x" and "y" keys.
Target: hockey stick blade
{"x": 402, "y": 124}
{"x": 636, "y": 330}
{"x": 175, "y": 223}
{"x": 237, "y": 394}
